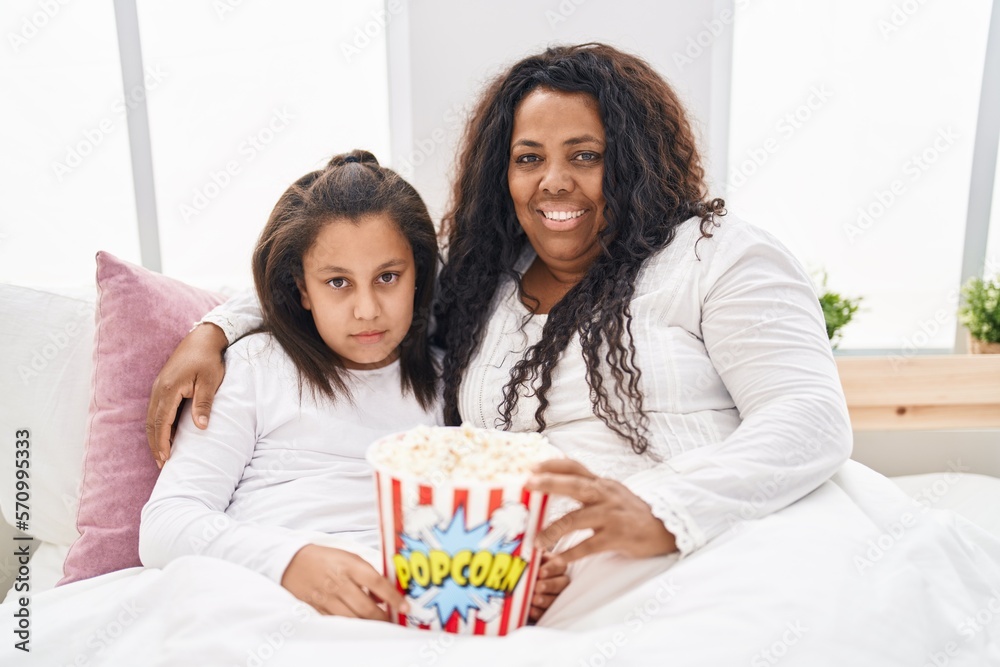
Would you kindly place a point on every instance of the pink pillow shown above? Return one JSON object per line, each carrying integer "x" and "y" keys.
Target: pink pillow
{"x": 141, "y": 317}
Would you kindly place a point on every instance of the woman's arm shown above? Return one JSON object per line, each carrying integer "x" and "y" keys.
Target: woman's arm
{"x": 185, "y": 514}
{"x": 763, "y": 330}
{"x": 764, "y": 333}
{"x": 195, "y": 370}
{"x": 236, "y": 317}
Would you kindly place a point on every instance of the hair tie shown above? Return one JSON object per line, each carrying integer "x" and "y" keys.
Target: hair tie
{"x": 351, "y": 158}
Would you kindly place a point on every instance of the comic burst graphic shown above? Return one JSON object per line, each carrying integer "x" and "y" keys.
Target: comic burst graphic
{"x": 467, "y": 568}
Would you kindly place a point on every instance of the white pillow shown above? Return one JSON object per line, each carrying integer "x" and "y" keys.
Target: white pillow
{"x": 46, "y": 570}
{"x": 47, "y": 341}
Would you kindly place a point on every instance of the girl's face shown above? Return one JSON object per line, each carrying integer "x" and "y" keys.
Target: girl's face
{"x": 359, "y": 284}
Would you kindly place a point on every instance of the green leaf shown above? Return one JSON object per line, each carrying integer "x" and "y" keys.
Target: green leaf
{"x": 980, "y": 308}
{"x": 837, "y": 311}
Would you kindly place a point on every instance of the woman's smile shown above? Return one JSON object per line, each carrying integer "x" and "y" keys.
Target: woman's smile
{"x": 562, "y": 220}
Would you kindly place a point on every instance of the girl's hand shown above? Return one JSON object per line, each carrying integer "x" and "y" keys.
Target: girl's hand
{"x": 621, "y": 521}
{"x": 339, "y": 583}
{"x": 552, "y": 580}
{"x": 195, "y": 370}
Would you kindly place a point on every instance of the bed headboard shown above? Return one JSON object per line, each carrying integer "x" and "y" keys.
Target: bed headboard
{"x": 959, "y": 391}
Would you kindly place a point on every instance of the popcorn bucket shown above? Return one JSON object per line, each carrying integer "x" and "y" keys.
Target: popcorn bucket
{"x": 462, "y": 551}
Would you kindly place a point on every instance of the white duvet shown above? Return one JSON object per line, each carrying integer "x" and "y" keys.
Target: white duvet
{"x": 854, "y": 574}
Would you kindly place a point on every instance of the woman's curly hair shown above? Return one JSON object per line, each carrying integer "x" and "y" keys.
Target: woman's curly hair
{"x": 653, "y": 181}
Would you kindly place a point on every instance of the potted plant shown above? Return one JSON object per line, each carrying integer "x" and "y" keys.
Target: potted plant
{"x": 980, "y": 314}
{"x": 838, "y": 311}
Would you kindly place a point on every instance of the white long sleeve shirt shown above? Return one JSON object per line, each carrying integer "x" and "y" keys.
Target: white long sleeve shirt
{"x": 739, "y": 382}
{"x": 270, "y": 466}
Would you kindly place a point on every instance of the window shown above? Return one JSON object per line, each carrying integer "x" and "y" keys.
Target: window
{"x": 991, "y": 269}
{"x": 66, "y": 172}
{"x": 851, "y": 137}
{"x": 243, "y": 98}
{"x": 249, "y": 97}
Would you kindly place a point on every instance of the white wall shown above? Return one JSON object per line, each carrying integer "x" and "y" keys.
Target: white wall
{"x": 442, "y": 52}
{"x": 914, "y": 452}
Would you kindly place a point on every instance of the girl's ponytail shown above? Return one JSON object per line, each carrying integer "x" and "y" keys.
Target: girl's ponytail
{"x": 356, "y": 156}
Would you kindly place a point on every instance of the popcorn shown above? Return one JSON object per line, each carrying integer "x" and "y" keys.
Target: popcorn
{"x": 458, "y": 527}
{"x": 437, "y": 454}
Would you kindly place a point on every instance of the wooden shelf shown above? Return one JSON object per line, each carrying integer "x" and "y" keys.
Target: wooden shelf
{"x": 958, "y": 391}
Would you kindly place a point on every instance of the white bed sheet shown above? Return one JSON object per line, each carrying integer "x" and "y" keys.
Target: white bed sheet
{"x": 854, "y": 574}
{"x": 976, "y": 497}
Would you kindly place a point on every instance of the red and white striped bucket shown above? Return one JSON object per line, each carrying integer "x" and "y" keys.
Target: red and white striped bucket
{"x": 463, "y": 554}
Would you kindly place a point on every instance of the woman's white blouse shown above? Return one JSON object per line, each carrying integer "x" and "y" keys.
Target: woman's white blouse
{"x": 745, "y": 406}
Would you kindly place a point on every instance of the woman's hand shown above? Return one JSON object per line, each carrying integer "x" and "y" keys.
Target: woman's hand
{"x": 195, "y": 370}
{"x": 340, "y": 583}
{"x": 552, "y": 580}
{"x": 621, "y": 521}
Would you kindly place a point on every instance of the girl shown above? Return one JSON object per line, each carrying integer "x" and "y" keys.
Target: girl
{"x": 278, "y": 482}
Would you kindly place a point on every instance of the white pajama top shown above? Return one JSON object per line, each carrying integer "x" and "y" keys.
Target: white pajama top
{"x": 270, "y": 465}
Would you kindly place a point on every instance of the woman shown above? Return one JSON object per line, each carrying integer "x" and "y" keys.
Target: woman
{"x": 590, "y": 292}
{"x": 682, "y": 357}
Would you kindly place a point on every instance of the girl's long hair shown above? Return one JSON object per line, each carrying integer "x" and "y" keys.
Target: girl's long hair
{"x": 653, "y": 181}
{"x": 350, "y": 187}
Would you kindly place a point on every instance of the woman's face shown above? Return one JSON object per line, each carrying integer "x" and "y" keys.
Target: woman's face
{"x": 555, "y": 177}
